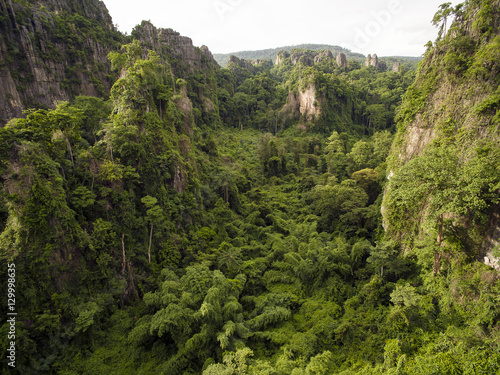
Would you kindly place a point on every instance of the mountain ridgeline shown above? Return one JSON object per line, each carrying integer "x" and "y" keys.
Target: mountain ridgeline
{"x": 271, "y": 53}
{"x": 307, "y": 212}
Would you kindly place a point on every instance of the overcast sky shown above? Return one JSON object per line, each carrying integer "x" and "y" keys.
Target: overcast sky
{"x": 384, "y": 27}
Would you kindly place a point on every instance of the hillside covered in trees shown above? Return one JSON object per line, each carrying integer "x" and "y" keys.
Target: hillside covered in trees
{"x": 271, "y": 53}
{"x": 305, "y": 215}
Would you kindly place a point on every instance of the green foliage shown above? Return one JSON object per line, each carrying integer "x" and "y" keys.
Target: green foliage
{"x": 436, "y": 185}
{"x": 195, "y": 224}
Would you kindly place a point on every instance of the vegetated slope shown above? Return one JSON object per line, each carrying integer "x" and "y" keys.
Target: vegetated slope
{"x": 223, "y": 221}
{"x": 271, "y": 53}
{"x": 103, "y": 199}
{"x": 259, "y": 58}
{"x": 54, "y": 51}
{"x": 444, "y": 163}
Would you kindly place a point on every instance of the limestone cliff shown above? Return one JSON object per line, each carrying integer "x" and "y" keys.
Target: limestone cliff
{"x": 302, "y": 103}
{"x": 235, "y": 62}
{"x": 341, "y": 60}
{"x": 195, "y": 65}
{"x": 52, "y": 50}
{"x": 308, "y": 102}
{"x": 323, "y": 56}
{"x": 455, "y": 103}
{"x": 184, "y": 57}
{"x": 372, "y": 60}
{"x": 281, "y": 57}
{"x": 305, "y": 57}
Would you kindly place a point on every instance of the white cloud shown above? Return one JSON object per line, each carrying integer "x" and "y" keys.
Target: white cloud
{"x": 235, "y": 25}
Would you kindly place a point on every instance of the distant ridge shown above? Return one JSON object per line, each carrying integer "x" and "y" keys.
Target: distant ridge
{"x": 270, "y": 53}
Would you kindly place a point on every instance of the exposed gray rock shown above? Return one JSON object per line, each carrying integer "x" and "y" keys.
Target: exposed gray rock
{"x": 242, "y": 63}
{"x": 325, "y": 55}
{"x": 341, "y": 60}
{"x": 305, "y": 58}
{"x": 170, "y": 44}
{"x": 372, "y": 60}
{"x": 280, "y": 57}
{"x": 368, "y": 60}
{"x": 40, "y": 67}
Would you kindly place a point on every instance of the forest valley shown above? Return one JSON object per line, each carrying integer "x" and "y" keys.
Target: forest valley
{"x": 201, "y": 221}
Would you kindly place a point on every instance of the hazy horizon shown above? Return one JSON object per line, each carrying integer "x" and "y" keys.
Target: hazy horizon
{"x": 385, "y": 27}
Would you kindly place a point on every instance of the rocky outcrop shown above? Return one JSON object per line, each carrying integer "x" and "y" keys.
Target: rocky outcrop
{"x": 372, "y": 60}
{"x": 396, "y": 67}
{"x": 281, "y": 57}
{"x": 308, "y": 103}
{"x": 53, "y": 50}
{"x": 492, "y": 241}
{"x": 291, "y": 110}
{"x": 323, "y": 56}
{"x": 235, "y": 62}
{"x": 368, "y": 60}
{"x": 240, "y": 62}
{"x": 60, "y": 50}
{"x": 171, "y": 46}
{"x": 309, "y": 58}
{"x": 451, "y": 104}
{"x": 341, "y": 60}
{"x": 304, "y": 58}
{"x": 206, "y": 53}
{"x": 304, "y": 103}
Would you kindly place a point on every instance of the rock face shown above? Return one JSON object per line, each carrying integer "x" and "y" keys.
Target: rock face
{"x": 396, "y": 67}
{"x": 372, "y": 60}
{"x": 52, "y": 50}
{"x": 309, "y": 58}
{"x": 491, "y": 241}
{"x": 308, "y": 103}
{"x": 303, "y": 103}
{"x": 323, "y": 56}
{"x": 341, "y": 60}
{"x": 235, "y": 62}
{"x": 304, "y": 58}
{"x": 206, "y": 52}
{"x": 281, "y": 57}
{"x": 440, "y": 106}
{"x": 368, "y": 60}
{"x": 170, "y": 45}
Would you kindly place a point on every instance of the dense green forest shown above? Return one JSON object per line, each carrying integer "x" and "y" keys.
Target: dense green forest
{"x": 240, "y": 220}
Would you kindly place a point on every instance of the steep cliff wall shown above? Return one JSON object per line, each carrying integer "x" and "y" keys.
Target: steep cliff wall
{"x": 184, "y": 57}
{"x": 195, "y": 65}
{"x": 52, "y": 50}
{"x": 451, "y": 113}
{"x": 303, "y": 103}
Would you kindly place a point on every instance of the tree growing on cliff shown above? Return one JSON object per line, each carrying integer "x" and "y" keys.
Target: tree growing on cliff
{"x": 442, "y": 188}
{"x": 441, "y": 16}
